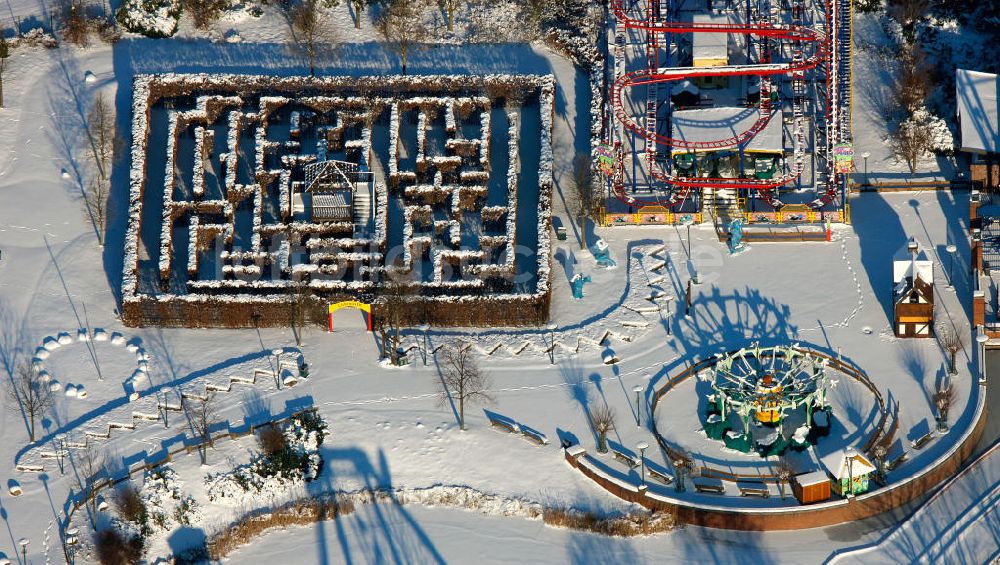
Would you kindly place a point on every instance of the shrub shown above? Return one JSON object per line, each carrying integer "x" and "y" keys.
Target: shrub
{"x": 623, "y": 526}
{"x": 76, "y": 28}
{"x": 152, "y": 18}
{"x": 130, "y": 505}
{"x": 113, "y": 548}
{"x": 272, "y": 441}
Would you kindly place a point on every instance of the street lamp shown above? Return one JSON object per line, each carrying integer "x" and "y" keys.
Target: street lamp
{"x": 642, "y": 447}
{"x": 982, "y": 338}
{"x": 61, "y": 452}
{"x": 850, "y": 454}
{"x": 552, "y": 340}
{"x": 865, "y": 156}
{"x": 951, "y": 249}
{"x": 637, "y": 389}
{"x": 23, "y": 542}
{"x": 669, "y": 299}
{"x": 425, "y": 329}
{"x": 277, "y": 365}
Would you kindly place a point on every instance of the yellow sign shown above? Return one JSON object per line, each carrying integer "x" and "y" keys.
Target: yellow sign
{"x": 351, "y": 304}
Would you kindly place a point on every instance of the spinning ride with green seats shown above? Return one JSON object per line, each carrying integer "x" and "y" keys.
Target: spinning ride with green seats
{"x": 765, "y": 385}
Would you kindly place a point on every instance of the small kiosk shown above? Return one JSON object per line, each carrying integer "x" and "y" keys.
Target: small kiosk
{"x": 850, "y": 470}
{"x": 811, "y": 487}
{"x": 913, "y": 293}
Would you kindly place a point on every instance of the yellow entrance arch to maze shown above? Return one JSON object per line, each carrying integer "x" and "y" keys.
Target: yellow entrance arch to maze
{"x": 364, "y": 307}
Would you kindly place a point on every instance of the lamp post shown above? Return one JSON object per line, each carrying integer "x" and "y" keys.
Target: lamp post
{"x": 951, "y": 249}
{"x": 552, "y": 342}
{"x": 23, "y": 542}
{"x": 637, "y": 389}
{"x": 642, "y": 446}
{"x": 982, "y": 338}
{"x": 850, "y": 470}
{"x": 865, "y": 156}
{"x": 277, "y": 365}
{"x": 425, "y": 329}
{"x": 61, "y": 452}
{"x": 669, "y": 299}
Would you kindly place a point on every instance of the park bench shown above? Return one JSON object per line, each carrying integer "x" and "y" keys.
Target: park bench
{"x": 707, "y": 485}
{"x": 922, "y": 440}
{"x": 509, "y": 427}
{"x": 625, "y": 458}
{"x": 753, "y": 488}
{"x": 659, "y": 475}
{"x": 897, "y": 460}
{"x": 533, "y": 436}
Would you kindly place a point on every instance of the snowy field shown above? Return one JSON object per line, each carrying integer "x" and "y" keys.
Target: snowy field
{"x": 388, "y": 428}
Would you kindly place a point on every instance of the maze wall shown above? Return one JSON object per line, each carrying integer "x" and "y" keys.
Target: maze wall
{"x": 449, "y": 197}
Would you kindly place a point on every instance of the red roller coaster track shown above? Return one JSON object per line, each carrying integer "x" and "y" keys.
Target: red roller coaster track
{"x": 649, "y": 76}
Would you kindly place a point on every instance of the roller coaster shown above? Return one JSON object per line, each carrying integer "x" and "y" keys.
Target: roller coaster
{"x": 801, "y": 44}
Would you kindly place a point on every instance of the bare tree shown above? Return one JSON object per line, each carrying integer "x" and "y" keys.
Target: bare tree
{"x": 301, "y": 301}
{"x": 104, "y": 133}
{"x": 401, "y": 27}
{"x": 359, "y": 6}
{"x": 462, "y": 379}
{"x": 783, "y": 472}
{"x": 96, "y": 201}
{"x": 105, "y": 141}
{"x": 909, "y": 142}
{"x": 393, "y": 307}
{"x": 4, "y": 55}
{"x": 451, "y": 6}
{"x": 603, "y": 421}
{"x": 89, "y": 462}
{"x": 27, "y": 393}
{"x": 202, "y": 413}
{"x": 952, "y": 341}
{"x": 943, "y": 399}
{"x": 913, "y": 79}
{"x": 879, "y": 453}
{"x": 586, "y": 197}
{"x": 310, "y": 31}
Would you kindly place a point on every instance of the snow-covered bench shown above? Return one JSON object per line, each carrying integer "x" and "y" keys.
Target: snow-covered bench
{"x": 625, "y": 458}
{"x": 509, "y": 427}
{"x": 659, "y": 474}
{"x": 923, "y": 440}
{"x": 708, "y": 485}
{"x": 753, "y": 488}
{"x": 897, "y": 460}
{"x": 533, "y": 435}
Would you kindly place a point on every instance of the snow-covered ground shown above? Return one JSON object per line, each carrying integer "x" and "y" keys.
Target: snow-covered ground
{"x": 388, "y": 428}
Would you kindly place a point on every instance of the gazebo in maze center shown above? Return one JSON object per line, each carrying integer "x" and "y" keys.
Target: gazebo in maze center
{"x": 767, "y": 385}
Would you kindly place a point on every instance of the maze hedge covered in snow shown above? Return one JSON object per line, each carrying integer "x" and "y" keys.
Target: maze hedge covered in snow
{"x": 250, "y": 194}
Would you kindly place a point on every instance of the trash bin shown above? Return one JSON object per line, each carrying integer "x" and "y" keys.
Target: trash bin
{"x": 561, "y": 233}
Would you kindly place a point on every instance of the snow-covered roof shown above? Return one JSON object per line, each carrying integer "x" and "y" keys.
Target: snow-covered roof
{"x": 839, "y": 464}
{"x": 977, "y": 111}
{"x": 724, "y": 122}
{"x": 902, "y": 265}
{"x": 710, "y": 49}
{"x": 813, "y": 478}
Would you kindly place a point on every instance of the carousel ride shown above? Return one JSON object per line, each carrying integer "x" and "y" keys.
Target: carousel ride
{"x": 768, "y": 390}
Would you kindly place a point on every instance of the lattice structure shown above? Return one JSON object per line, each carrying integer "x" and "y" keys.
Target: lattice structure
{"x": 787, "y": 46}
{"x": 307, "y": 184}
